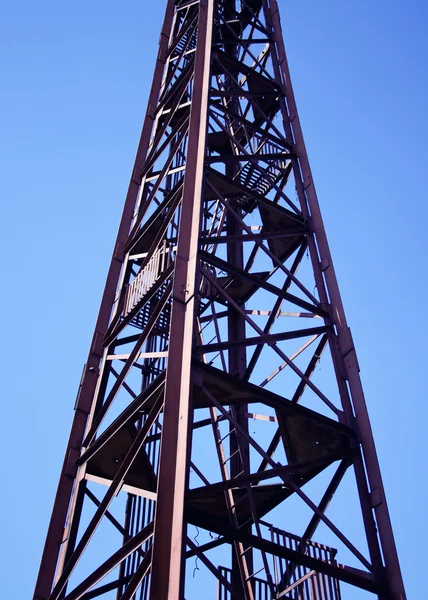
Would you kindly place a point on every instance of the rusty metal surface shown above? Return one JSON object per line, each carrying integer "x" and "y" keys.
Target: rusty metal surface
{"x": 220, "y": 304}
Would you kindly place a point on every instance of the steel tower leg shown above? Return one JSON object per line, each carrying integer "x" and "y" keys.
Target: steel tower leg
{"x": 346, "y": 344}
{"x": 170, "y": 529}
{"x": 84, "y": 402}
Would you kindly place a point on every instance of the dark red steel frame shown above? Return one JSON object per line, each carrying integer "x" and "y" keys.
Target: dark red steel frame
{"x": 198, "y": 44}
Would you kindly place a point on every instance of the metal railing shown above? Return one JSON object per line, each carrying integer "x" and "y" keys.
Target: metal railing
{"x": 292, "y": 581}
{"x": 299, "y": 582}
{"x": 138, "y": 288}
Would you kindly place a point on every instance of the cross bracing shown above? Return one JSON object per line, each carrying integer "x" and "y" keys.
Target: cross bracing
{"x": 222, "y": 391}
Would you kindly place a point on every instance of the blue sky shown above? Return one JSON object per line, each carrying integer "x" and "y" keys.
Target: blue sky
{"x": 75, "y": 79}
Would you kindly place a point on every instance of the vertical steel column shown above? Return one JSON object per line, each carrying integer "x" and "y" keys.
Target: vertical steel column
{"x": 347, "y": 348}
{"x": 167, "y": 580}
{"x": 237, "y": 355}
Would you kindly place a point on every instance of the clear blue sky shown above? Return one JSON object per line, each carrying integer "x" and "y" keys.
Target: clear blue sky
{"x": 74, "y": 79}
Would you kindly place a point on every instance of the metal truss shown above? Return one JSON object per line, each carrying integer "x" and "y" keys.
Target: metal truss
{"x": 202, "y": 406}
